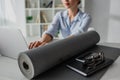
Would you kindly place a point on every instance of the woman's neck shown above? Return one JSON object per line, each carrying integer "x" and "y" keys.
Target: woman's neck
{"x": 72, "y": 13}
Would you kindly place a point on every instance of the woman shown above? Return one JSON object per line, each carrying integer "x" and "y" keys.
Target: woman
{"x": 70, "y": 22}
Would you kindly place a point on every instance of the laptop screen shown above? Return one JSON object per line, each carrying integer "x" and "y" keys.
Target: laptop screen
{"x": 12, "y": 42}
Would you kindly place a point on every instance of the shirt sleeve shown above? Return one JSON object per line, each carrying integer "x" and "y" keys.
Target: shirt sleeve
{"x": 84, "y": 24}
{"x": 53, "y": 28}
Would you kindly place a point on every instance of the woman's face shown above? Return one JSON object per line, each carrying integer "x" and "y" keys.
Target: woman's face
{"x": 70, "y": 3}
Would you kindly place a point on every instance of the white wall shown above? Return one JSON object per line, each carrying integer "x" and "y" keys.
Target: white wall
{"x": 99, "y": 10}
{"x": 105, "y": 18}
{"x": 114, "y": 22}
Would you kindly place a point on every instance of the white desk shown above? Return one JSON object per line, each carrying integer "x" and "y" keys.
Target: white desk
{"x": 113, "y": 73}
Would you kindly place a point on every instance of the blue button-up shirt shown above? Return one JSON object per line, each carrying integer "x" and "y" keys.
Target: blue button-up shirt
{"x": 61, "y": 22}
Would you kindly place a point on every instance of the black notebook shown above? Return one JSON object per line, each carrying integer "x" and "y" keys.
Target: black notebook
{"x": 78, "y": 66}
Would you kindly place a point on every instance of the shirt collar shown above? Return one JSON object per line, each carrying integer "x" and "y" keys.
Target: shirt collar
{"x": 77, "y": 17}
{"x": 65, "y": 16}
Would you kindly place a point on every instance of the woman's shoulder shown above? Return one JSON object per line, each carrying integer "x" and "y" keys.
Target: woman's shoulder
{"x": 84, "y": 14}
{"x": 61, "y": 13}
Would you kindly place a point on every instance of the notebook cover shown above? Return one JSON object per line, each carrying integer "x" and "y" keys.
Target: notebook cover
{"x": 85, "y": 71}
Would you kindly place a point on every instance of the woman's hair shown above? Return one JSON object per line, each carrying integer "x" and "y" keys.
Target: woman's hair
{"x": 79, "y": 2}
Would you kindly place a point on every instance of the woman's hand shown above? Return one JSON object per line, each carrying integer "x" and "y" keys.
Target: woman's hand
{"x": 46, "y": 38}
{"x": 36, "y": 44}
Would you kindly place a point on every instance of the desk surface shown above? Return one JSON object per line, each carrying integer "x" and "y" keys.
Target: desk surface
{"x": 61, "y": 72}
{"x": 116, "y": 45}
{"x": 113, "y": 72}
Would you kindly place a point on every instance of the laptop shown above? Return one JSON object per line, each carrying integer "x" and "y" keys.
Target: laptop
{"x": 12, "y": 42}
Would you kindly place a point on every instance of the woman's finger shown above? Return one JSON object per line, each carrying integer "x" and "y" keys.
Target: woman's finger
{"x": 37, "y": 43}
{"x": 32, "y": 45}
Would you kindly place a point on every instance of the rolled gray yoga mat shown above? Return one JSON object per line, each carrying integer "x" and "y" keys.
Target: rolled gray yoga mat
{"x": 35, "y": 61}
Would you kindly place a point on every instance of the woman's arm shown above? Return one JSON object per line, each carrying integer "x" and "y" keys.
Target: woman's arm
{"x": 49, "y": 34}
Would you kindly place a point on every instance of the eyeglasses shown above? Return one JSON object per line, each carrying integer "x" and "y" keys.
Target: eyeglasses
{"x": 91, "y": 61}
